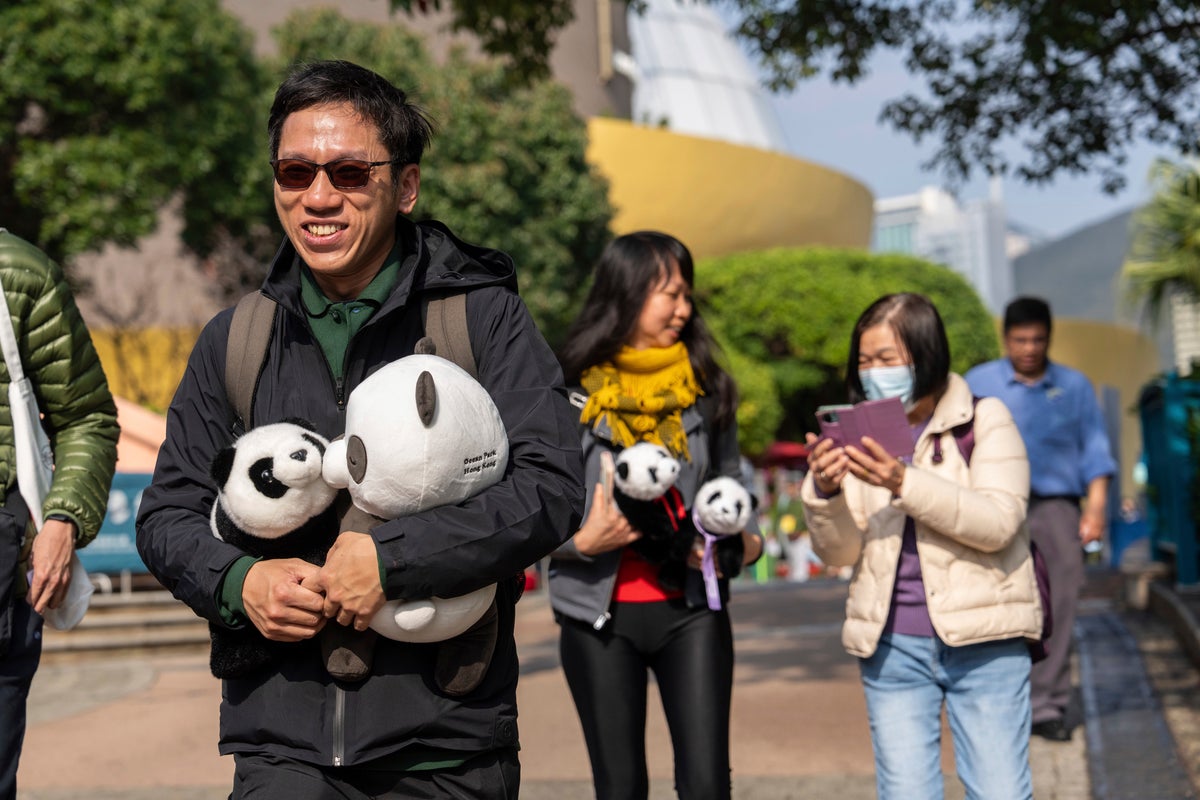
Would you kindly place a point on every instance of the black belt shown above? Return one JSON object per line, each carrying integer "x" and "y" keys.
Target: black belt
{"x": 1041, "y": 498}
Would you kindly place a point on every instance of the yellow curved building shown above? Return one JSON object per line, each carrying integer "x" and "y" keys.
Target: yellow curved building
{"x": 721, "y": 198}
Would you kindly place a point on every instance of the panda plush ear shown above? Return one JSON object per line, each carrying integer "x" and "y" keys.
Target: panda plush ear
{"x": 426, "y": 398}
{"x": 222, "y": 465}
{"x": 425, "y": 347}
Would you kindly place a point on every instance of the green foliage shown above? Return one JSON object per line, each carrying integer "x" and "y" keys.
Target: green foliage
{"x": 793, "y": 310}
{"x": 1072, "y": 82}
{"x": 107, "y": 111}
{"x": 759, "y": 411}
{"x": 516, "y": 30}
{"x": 507, "y": 166}
{"x": 1165, "y": 250}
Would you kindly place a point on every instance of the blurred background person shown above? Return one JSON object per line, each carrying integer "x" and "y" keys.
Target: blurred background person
{"x": 1056, "y": 411}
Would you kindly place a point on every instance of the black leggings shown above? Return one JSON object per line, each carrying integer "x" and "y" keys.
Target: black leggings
{"x": 691, "y": 653}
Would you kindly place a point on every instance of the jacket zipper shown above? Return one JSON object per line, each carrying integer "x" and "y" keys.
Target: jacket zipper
{"x": 339, "y": 726}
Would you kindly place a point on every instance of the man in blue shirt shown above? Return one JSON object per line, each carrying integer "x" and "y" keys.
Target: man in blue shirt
{"x": 1056, "y": 411}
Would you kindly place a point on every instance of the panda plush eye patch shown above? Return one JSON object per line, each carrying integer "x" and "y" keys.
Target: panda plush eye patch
{"x": 317, "y": 444}
{"x": 715, "y": 496}
{"x": 262, "y": 475}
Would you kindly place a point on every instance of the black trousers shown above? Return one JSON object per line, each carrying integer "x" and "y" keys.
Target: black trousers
{"x": 489, "y": 776}
{"x": 16, "y": 674}
{"x": 690, "y": 652}
{"x": 20, "y": 643}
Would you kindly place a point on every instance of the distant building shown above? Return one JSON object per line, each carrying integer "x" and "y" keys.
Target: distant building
{"x": 690, "y": 76}
{"x": 974, "y": 239}
{"x": 1079, "y": 275}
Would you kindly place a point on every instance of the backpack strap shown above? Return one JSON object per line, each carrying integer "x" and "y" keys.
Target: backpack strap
{"x": 964, "y": 438}
{"x": 445, "y": 320}
{"x": 246, "y": 351}
{"x": 964, "y": 434}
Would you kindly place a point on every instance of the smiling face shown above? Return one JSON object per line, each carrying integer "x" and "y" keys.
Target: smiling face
{"x": 343, "y": 235}
{"x": 666, "y": 311}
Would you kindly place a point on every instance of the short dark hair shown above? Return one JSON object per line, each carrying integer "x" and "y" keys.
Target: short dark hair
{"x": 628, "y": 269}
{"x": 1027, "y": 311}
{"x": 918, "y": 326}
{"x": 403, "y": 127}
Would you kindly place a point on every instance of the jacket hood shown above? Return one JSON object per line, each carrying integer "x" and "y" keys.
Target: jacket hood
{"x": 433, "y": 260}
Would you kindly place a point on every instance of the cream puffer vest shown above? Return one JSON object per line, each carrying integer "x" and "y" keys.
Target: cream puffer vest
{"x": 971, "y": 533}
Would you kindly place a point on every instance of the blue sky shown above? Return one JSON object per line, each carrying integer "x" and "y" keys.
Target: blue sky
{"x": 836, "y": 125}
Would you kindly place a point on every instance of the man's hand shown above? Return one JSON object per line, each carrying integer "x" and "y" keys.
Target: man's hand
{"x": 278, "y": 604}
{"x": 1091, "y": 525}
{"x": 51, "y": 563}
{"x": 350, "y": 580}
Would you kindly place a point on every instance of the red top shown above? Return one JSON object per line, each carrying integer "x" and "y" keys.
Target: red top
{"x": 637, "y": 581}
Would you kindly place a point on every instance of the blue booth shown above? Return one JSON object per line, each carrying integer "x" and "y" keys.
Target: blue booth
{"x": 114, "y": 549}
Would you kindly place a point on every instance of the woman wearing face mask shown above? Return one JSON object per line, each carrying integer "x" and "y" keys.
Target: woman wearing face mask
{"x": 943, "y": 596}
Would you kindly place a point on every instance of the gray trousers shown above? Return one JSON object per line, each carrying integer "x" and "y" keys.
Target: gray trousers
{"x": 1054, "y": 525}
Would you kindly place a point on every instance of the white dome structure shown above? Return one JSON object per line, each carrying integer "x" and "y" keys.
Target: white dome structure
{"x": 690, "y": 77}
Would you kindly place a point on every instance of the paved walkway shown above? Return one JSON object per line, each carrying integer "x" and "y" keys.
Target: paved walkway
{"x": 141, "y": 728}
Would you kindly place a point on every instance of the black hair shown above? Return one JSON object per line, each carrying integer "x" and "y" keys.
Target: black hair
{"x": 1027, "y": 311}
{"x": 403, "y": 127}
{"x": 918, "y": 326}
{"x": 628, "y": 268}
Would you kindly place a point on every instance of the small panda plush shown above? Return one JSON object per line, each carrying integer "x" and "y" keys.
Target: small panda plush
{"x": 644, "y": 488}
{"x": 271, "y": 502}
{"x": 721, "y": 510}
{"x": 421, "y": 433}
{"x": 723, "y": 506}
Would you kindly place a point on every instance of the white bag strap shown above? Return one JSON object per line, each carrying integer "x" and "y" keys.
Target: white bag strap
{"x": 8, "y": 338}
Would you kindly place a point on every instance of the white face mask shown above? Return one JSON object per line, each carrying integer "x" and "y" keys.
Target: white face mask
{"x": 881, "y": 382}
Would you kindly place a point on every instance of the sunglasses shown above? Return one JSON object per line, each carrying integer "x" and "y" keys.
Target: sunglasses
{"x": 345, "y": 173}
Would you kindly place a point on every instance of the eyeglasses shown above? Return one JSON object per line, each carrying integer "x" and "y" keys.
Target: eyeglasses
{"x": 344, "y": 173}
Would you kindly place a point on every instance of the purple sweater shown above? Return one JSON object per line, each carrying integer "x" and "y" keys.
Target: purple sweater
{"x": 908, "y": 613}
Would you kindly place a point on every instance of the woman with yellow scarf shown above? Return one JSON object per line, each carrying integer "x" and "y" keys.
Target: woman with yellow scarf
{"x": 646, "y": 366}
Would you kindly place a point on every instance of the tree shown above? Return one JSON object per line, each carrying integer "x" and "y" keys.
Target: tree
{"x": 1072, "y": 82}
{"x": 520, "y": 31}
{"x": 108, "y": 111}
{"x": 507, "y": 166}
{"x": 1163, "y": 266}
{"x": 1164, "y": 256}
{"x": 792, "y": 310}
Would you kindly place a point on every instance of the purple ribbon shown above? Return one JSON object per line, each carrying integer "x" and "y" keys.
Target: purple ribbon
{"x": 708, "y": 567}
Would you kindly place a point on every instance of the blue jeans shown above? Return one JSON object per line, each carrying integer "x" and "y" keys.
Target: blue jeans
{"x": 986, "y": 691}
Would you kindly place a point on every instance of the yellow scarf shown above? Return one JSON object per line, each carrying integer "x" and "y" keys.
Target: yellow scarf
{"x": 640, "y": 395}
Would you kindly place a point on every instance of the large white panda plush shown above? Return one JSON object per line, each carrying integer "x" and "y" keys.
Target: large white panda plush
{"x": 421, "y": 433}
{"x": 271, "y": 502}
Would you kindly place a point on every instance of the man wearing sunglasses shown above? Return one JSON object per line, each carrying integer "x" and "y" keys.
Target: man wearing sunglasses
{"x": 350, "y": 281}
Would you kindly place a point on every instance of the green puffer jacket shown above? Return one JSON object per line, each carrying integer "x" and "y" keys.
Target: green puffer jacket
{"x": 72, "y": 392}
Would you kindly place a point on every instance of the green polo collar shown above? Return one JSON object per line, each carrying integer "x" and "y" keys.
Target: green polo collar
{"x": 334, "y": 323}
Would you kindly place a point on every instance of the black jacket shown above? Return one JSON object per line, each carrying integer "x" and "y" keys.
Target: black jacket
{"x": 299, "y": 711}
